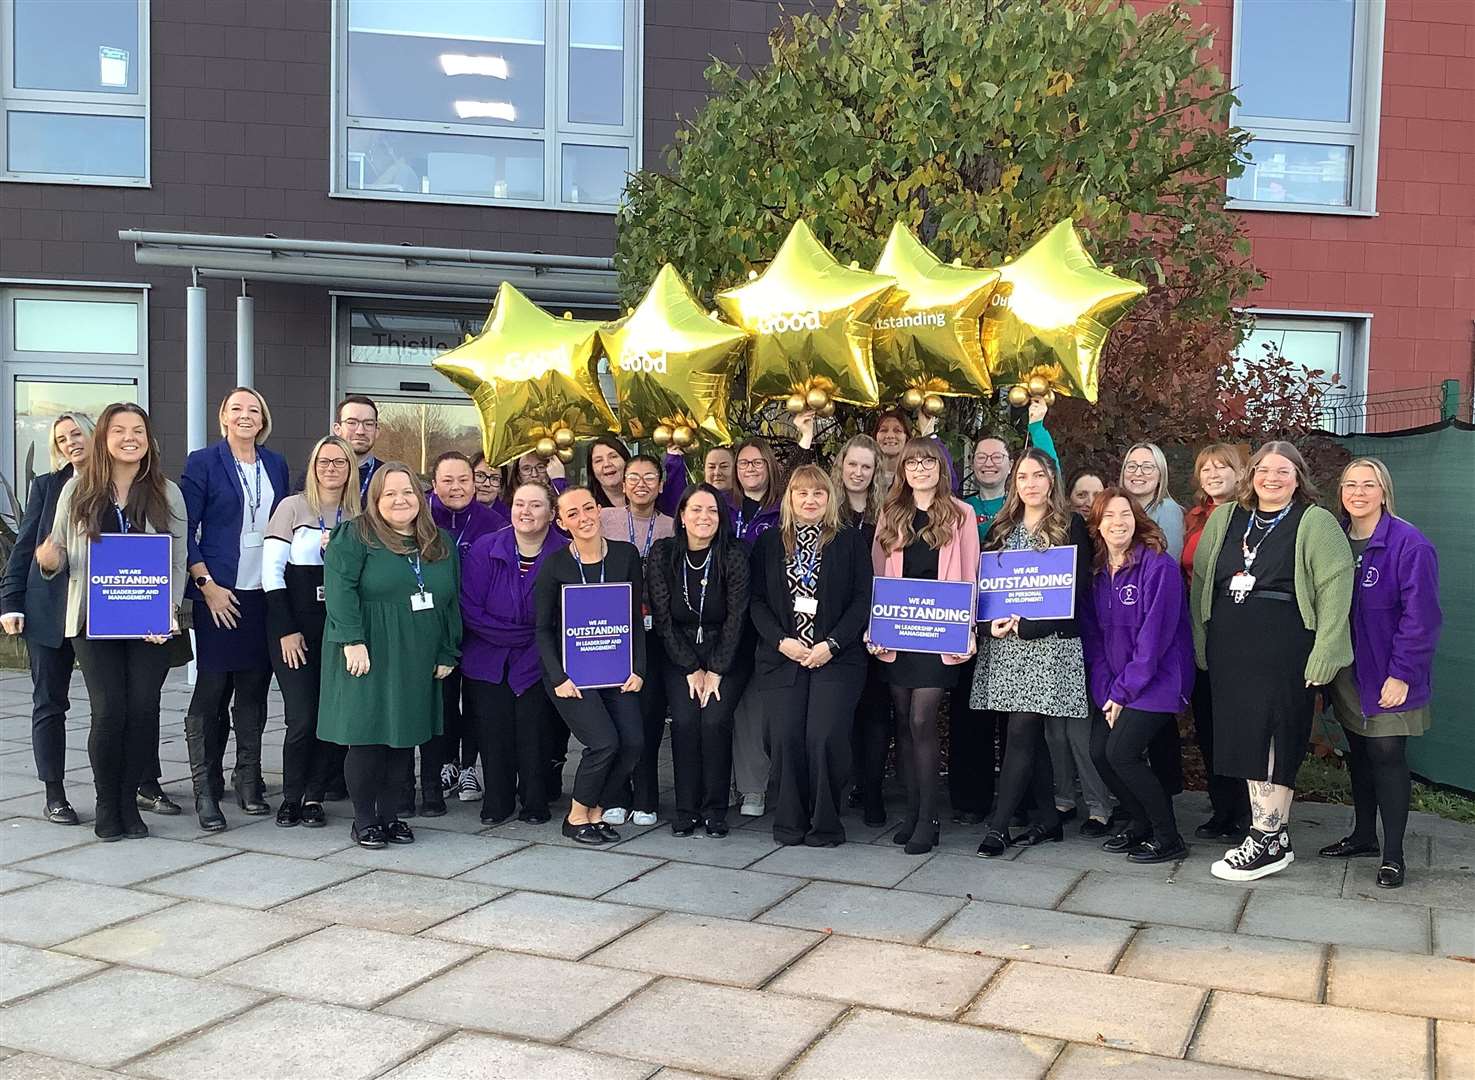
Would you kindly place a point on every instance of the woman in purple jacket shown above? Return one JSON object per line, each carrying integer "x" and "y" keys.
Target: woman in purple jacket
{"x": 499, "y": 660}
{"x": 1383, "y": 697}
{"x": 1139, "y": 663}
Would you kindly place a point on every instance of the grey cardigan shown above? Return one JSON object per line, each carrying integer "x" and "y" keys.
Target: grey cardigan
{"x": 73, "y": 540}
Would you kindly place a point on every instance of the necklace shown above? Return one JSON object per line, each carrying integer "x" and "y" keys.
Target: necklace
{"x": 701, "y": 605}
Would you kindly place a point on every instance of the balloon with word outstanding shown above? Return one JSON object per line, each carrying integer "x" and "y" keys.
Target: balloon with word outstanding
{"x": 1050, "y": 315}
{"x": 673, "y": 366}
{"x": 810, "y": 319}
{"x": 926, "y": 337}
{"x": 531, "y": 376}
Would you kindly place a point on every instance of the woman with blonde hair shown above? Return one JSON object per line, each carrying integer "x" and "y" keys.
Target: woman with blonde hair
{"x": 1145, "y": 475}
{"x": 923, "y": 532}
{"x": 811, "y": 595}
{"x": 1382, "y": 697}
{"x": 857, "y": 476}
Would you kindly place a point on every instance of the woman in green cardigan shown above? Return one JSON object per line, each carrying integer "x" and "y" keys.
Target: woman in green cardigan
{"x": 392, "y": 585}
{"x": 1272, "y": 585}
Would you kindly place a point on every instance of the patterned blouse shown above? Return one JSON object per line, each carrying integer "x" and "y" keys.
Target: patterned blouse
{"x": 802, "y": 572}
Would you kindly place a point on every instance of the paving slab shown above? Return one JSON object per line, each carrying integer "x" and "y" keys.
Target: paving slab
{"x": 1308, "y": 875}
{"x": 290, "y": 1040}
{"x": 1382, "y": 981}
{"x": 262, "y": 834}
{"x": 1453, "y": 889}
{"x": 884, "y": 975}
{"x": 1454, "y": 1051}
{"x": 468, "y": 1056}
{"x": 1079, "y": 1062}
{"x": 1082, "y": 855}
{"x": 23, "y": 971}
{"x": 57, "y": 911}
{"x": 346, "y": 965}
{"x": 191, "y": 938}
{"x": 990, "y": 879}
{"x": 1088, "y": 1007}
{"x": 551, "y": 832}
{"x": 869, "y": 1045}
{"x": 1401, "y": 927}
{"x": 1120, "y": 897}
{"x": 398, "y": 903}
{"x": 707, "y": 948}
{"x": 1042, "y": 937}
{"x": 858, "y": 864}
{"x": 1319, "y": 1040}
{"x": 435, "y": 852}
{"x": 1454, "y": 933}
{"x": 561, "y": 926}
{"x": 859, "y": 911}
{"x": 544, "y": 868}
{"x": 37, "y": 1067}
{"x": 23, "y": 838}
{"x": 1274, "y": 967}
{"x": 741, "y": 847}
{"x": 118, "y": 1014}
{"x": 533, "y": 997}
{"x": 706, "y": 890}
{"x": 122, "y": 863}
{"x": 252, "y": 879}
{"x": 748, "y": 1033}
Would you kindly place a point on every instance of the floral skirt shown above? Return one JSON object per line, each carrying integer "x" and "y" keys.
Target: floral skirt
{"x": 1043, "y": 675}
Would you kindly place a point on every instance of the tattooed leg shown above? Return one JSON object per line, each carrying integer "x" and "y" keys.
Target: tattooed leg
{"x": 1270, "y": 804}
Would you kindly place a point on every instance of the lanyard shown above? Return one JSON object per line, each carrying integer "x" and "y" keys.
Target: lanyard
{"x": 254, "y": 504}
{"x": 464, "y": 525}
{"x": 650, "y": 531}
{"x": 1251, "y": 552}
{"x": 701, "y": 605}
{"x": 806, "y": 561}
{"x": 580, "y": 564}
{"x": 323, "y": 525}
{"x": 415, "y": 566}
{"x": 367, "y": 471}
{"x": 122, "y": 521}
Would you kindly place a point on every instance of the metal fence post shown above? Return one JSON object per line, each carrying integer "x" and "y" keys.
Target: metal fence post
{"x": 1449, "y": 407}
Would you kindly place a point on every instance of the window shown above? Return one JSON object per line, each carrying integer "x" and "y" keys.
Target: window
{"x": 74, "y": 89}
{"x": 1337, "y": 345}
{"x": 1307, "y": 74}
{"x": 518, "y": 102}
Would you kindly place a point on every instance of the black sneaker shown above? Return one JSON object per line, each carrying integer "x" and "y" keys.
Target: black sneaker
{"x": 1260, "y": 855}
{"x": 1093, "y": 829}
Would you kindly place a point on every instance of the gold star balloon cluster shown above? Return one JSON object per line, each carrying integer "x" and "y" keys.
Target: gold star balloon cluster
{"x": 811, "y": 331}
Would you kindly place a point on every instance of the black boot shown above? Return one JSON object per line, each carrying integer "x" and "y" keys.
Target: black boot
{"x": 108, "y": 824}
{"x": 205, "y": 776}
{"x": 207, "y": 808}
{"x": 251, "y": 795}
{"x": 132, "y": 821}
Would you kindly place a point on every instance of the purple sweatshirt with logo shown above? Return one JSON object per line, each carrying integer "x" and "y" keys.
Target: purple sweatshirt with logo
{"x": 470, "y": 523}
{"x": 1395, "y": 614}
{"x": 497, "y": 610}
{"x": 1137, "y": 638}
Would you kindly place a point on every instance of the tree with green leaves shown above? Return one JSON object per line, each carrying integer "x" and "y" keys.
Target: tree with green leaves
{"x": 979, "y": 123}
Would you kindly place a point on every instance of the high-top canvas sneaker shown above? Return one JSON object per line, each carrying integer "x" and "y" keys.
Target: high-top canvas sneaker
{"x": 1260, "y": 855}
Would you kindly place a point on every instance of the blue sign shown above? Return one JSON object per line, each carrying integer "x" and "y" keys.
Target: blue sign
{"x": 598, "y": 634}
{"x": 1030, "y": 584}
{"x": 128, "y": 592}
{"x": 921, "y": 615}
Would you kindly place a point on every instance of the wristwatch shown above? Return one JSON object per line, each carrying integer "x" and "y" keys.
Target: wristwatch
{"x": 203, "y": 580}
{"x": 833, "y": 644}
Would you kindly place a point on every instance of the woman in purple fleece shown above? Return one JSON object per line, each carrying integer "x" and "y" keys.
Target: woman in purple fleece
{"x": 1139, "y": 663}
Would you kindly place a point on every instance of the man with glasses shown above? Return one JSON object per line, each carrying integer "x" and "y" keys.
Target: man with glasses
{"x": 991, "y": 464}
{"x": 357, "y": 424}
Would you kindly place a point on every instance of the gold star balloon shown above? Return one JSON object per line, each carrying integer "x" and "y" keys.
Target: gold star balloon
{"x": 810, "y": 320}
{"x": 926, "y": 338}
{"x": 532, "y": 378}
{"x": 1049, "y": 317}
{"x": 672, "y": 365}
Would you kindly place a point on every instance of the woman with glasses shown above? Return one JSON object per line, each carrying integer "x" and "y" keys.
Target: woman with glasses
{"x": 1145, "y": 475}
{"x": 488, "y": 481}
{"x": 292, "y": 575}
{"x": 1382, "y": 697}
{"x": 1272, "y": 588}
{"x": 923, "y": 532}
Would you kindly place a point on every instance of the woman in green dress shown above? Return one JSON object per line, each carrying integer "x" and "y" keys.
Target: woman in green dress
{"x": 392, "y": 583}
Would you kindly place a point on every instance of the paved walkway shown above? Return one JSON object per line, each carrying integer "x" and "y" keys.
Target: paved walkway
{"x": 273, "y": 953}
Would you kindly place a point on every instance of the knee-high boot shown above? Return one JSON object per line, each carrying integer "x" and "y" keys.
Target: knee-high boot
{"x": 205, "y": 775}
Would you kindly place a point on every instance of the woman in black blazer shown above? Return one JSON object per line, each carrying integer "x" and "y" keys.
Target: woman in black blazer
{"x": 811, "y": 597}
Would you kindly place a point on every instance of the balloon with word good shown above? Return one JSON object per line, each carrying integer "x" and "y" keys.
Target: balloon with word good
{"x": 532, "y": 377}
{"x": 926, "y": 337}
{"x": 810, "y": 320}
{"x": 673, "y": 366}
{"x": 1050, "y": 315}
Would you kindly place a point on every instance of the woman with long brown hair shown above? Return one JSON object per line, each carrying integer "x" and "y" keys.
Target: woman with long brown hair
{"x": 119, "y": 488}
{"x": 392, "y": 581}
{"x": 923, "y": 532}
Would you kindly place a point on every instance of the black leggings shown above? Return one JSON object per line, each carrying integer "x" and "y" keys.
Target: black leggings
{"x": 918, "y": 748}
{"x": 1380, "y": 785}
{"x": 1120, "y": 755}
{"x": 1026, "y": 771}
{"x": 871, "y": 736}
{"x": 372, "y": 772}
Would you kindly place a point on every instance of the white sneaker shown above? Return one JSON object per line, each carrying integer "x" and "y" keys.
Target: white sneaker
{"x": 642, "y": 817}
{"x": 450, "y": 780}
{"x": 1260, "y": 855}
{"x": 470, "y": 790}
{"x": 615, "y": 815}
{"x": 752, "y": 806}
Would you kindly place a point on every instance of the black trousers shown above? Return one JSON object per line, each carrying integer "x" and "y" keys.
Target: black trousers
{"x": 971, "y": 763}
{"x": 609, "y": 725}
{"x": 371, "y": 772}
{"x": 402, "y": 778}
{"x": 51, "y": 680}
{"x": 123, "y": 683}
{"x": 308, "y": 763}
{"x": 701, "y": 745}
{"x": 206, "y": 727}
{"x": 1026, "y": 771}
{"x": 643, "y": 789}
{"x": 871, "y": 738}
{"x": 512, "y": 732}
{"x": 1120, "y": 754}
{"x": 809, "y": 737}
{"x": 457, "y": 742}
{"x": 1229, "y": 798}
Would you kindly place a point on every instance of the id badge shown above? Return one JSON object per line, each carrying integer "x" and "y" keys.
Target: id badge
{"x": 421, "y": 601}
{"x": 649, "y": 621}
{"x": 322, "y": 595}
{"x": 323, "y": 545}
{"x": 1240, "y": 586}
{"x": 251, "y": 540}
{"x": 806, "y": 605}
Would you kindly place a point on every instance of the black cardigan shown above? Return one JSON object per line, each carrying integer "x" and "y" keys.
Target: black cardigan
{"x": 1080, "y": 537}
{"x": 844, "y": 595}
{"x": 622, "y": 563}
{"x": 675, "y": 622}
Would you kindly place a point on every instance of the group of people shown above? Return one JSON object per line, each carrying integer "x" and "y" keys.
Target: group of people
{"x": 397, "y": 619}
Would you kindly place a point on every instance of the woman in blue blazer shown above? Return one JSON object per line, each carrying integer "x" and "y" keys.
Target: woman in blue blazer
{"x": 230, "y": 490}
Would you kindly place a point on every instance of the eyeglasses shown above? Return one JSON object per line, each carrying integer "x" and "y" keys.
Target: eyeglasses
{"x": 1280, "y": 474}
{"x": 992, "y": 459}
{"x": 752, "y": 466}
{"x": 1367, "y": 486}
{"x": 333, "y": 464}
{"x": 640, "y": 479}
{"x": 354, "y": 425}
{"x": 483, "y": 479}
{"x": 1134, "y": 468}
{"x": 920, "y": 464}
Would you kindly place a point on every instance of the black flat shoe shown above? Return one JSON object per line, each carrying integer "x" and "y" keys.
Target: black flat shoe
{"x": 494, "y": 818}
{"x": 586, "y": 833}
{"x": 717, "y": 828}
{"x": 1215, "y": 829}
{"x": 289, "y": 815}
{"x": 535, "y": 817}
{"x": 135, "y": 830}
{"x": 372, "y": 838}
{"x": 1066, "y": 816}
{"x": 1092, "y": 828}
{"x": 157, "y": 804}
{"x": 251, "y": 799}
{"x": 994, "y": 844}
{"x": 608, "y": 832}
{"x": 207, "y": 809}
{"x": 61, "y": 813}
{"x": 683, "y": 827}
{"x": 1038, "y": 834}
{"x": 1151, "y": 851}
{"x": 924, "y": 839}
{"x": 1123, "y": 841}
{"x": 312, "y": 816}
{"x": 903, "y": 834}
{"x": 432, "y": 806}
{"x": 1350, "y": 848}
{"x": 397, "y": 832}
{"x": 1390, "y": 875}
